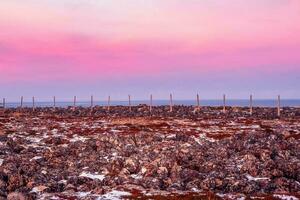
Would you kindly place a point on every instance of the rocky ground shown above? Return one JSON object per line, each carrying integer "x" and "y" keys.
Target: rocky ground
{"x": 187, "y": 154}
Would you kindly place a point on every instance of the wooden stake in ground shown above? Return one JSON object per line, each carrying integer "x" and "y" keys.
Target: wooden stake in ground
{"x": 92, "y": 102}
{"x": 171, "y": 103}
{"x": 21, "y": 101}
{"x": 198, "y": 102}
{"x": 74, "y": 103}
{"x": 33, "y": 104}
{"x": 224, "y": 103}
{"x": 54, "y": 102}
{"x": 108, "y": 103}
{"x": 251, "y": 105}
{"x": 278, "y": 105}
{"x": 129, "y": 102}
{"x": 150, "y": 108}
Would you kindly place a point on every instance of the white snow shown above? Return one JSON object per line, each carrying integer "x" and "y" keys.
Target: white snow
{"x": 92, "y": 176}
{"x": 82, "y": 194}
{"x": 136, "y": 176}
{"x": 115, "y": 131}
{"x": 195, "y": 190}
{"x": 114, "y": 195}
{"x": 36, "y": 158}
{"x": 171, "y": 136}
{"x": 231, "y": 196}
{"x": 255, "y": 126}
{"x": 62, "y": 124}
{"x": 78, "y": 138}
{"x": 114, "y": 154}
{"x": 35, "y": 139}
{"x": 1, "y": 162}
{"x": 63, "y": 181}
{"x": 196, "y": 140}
{"x": 285, "y": 197}
{"x": 251, "y": 178}
{"x": 54, "y": 131}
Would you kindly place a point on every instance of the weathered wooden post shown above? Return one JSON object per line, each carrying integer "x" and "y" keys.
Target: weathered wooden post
{"x": 92, "y": 102}
{"x": 150, "y": 108}
{"x": 54, "y": 102}
{"x": 278, "y": 105}
{"x": 198, "y": 102}
{"x": 21, "y": 101}
{"x": 33, "y": 103}
{"x": 3, "y": 102}
{"x": 74, "y": 103}
{"x": 224, "y": 103}
{"x": 129, "y": 102}
{"x": 108, "y": 103}
{"x": 171, "y": 103}
{"x": 251, "y": 105}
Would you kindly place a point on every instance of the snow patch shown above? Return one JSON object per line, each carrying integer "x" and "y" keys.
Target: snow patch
{"x": 35, "y": 158}
{"x": 78, "y": 138}
{"x": 251, "y": 178}
{"x": 115, "y": 131}
{"x": 35, "y": 140}
{"x": 197, "y": 140}
{"x": 171, "y": 136}
{"x": 136, "y": 176}
{"x": 231, "y": 196}
{"x": 54, "y": 131}
{"x": 63, "y": 181}
{"x": 92, "y": 176}
{"x": 114, "y": 195}
{"x": 82, "y": 194}
{"x": 285, "y": 197}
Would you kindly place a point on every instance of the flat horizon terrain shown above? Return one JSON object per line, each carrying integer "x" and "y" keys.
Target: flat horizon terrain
{"x": 188, "y": 102}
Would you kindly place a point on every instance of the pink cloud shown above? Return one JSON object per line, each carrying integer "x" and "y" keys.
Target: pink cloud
{"x": 80, "y": 57}
{"x": 146, "y": 39}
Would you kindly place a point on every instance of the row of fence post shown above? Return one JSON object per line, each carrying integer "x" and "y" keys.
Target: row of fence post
{"x": 151, "y": 103}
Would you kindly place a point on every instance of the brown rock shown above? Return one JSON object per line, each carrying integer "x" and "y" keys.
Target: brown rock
{"x": 218, "y": 182}
{"x": 14, "y": 182}
{"x": 16, "y": 196}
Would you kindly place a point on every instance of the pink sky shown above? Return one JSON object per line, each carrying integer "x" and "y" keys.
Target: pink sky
{"x": 135, "y": 46}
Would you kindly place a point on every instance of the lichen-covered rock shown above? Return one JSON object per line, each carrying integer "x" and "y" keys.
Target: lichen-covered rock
{"x": 89, "y": 154}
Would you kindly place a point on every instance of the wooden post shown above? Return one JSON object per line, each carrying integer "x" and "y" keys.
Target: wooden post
{"x": 224, "y": 103}
{"x": 198, "y": 102}
{"x": 92, "y": 102}
{"x": 129, "y": 102}
{"x": 251, "y": 105}
{"x": 74, "y": 103}
{"x": 150, "y": 108}
{"x": 54, "y": 102}
{"x": 108, "y": 103}
{"x": 278, "y": 105}
{"x": 21, "y": 101}
{"x": 33, "y": 104}
{"x": 171, "y": 103}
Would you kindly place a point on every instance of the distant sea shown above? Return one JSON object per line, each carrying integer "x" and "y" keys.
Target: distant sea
{"x": 229, "y": 102}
